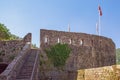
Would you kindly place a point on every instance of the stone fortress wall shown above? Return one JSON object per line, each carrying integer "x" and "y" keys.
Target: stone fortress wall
{"x": 9, "y": 49}
{"x": 88, "y": 51}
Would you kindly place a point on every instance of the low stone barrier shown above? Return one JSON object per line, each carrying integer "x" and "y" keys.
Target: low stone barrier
{"x": 100, "y": 73}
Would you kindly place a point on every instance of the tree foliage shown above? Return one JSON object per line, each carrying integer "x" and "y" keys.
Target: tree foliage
{"x": 58, "y": 54}
{"x": 13, "y": 37}
{"x": 5, "y": 34}
{"x": 34, "y": 46}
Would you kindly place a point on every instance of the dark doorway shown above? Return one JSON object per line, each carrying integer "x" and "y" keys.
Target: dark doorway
{"x": 3, "y": 67}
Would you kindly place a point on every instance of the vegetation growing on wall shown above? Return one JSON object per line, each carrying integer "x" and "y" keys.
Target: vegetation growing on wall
{"x": 58, "y": 54}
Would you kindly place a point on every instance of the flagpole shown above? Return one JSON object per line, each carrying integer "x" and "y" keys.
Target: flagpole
{"x": 99, "y": 26}
{"x": 68, "y": 27}
{"x": 100, "y": 14}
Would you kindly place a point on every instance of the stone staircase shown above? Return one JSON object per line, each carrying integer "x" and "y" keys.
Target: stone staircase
{"x": 26, "y": 72}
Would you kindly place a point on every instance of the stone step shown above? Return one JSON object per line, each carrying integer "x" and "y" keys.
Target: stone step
{"x": 27, "y": 68}
{"x": 22, "y": 79}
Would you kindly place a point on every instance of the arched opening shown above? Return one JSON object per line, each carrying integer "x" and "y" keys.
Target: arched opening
{"x": 73, "y": 42}
{"x": 58, "y": 40}
{"x": 46, "y": 39}
{"x": 92, "y": 42}
{"x": 81, "y": 42}
{"x": 70, "y": 41}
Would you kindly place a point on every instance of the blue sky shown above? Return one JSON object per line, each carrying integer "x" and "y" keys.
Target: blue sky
{"x": 23, "y": 16}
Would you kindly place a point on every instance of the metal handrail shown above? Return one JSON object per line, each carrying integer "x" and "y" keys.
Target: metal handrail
{"x": 33, "y": 71}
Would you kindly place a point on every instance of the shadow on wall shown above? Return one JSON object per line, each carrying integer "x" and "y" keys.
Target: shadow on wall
{"x": 58, "y": 75}
{"x": 3, "y": 67}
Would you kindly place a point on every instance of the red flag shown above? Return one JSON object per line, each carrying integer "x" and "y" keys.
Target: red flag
{"x": 100, "y": 10}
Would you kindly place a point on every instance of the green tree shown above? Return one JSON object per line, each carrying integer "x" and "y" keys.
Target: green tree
{"x": 13, "y": 37}
{"x": 4, "y": 32}
{"x": 34, "y": 46}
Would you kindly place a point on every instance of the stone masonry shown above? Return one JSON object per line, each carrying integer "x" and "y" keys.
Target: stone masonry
{"x": 25, "y": 65}
{"x": 10, "y": 49}
{"x": 88, "y": 51}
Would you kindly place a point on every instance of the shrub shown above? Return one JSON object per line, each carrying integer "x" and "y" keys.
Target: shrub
{"x": 58, "y": 54}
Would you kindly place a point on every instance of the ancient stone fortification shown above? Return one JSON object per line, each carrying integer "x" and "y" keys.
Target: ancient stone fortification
{"x": 88, "y": 51}
{"x": 9, "y": 49}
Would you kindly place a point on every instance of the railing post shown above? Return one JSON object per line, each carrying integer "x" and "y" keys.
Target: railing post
{"x": 35, "y": 67}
